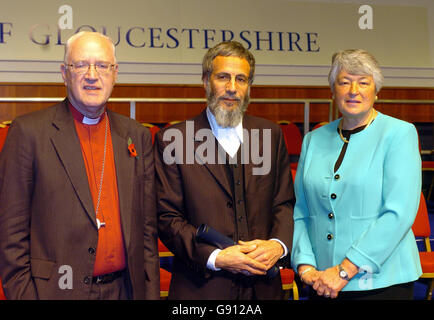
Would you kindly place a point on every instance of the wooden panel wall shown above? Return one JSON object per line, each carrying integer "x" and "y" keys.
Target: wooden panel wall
{"x": 163, "y": 113}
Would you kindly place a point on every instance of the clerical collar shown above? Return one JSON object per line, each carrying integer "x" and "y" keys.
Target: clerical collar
{"x": 78, "y": 116}
{"x": 230, "y": 138}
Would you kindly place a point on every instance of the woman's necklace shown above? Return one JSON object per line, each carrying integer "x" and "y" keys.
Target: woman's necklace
{"x": 371, "y": 118}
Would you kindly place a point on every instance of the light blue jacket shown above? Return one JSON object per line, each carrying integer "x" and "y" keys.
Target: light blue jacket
{"x": 377, "y": 189}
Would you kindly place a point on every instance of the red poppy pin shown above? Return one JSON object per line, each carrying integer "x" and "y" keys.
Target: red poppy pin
{"x": 131, "y": 148}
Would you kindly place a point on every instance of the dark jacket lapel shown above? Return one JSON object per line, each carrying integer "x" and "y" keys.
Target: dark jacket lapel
{"x": 67, "y": 145}
{"x": 247, "y": 145}
{"x": 125, "y": 174}
{"x": 217, "y": 170}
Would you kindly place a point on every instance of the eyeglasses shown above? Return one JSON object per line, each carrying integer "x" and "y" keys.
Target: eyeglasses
{"x": 226, "y": 78}
{"x": 83, "y": 67}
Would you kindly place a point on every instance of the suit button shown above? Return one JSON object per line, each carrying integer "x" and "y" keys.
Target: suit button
{"x": 238, "y": 182}
{"x": 87, "y": 280}
{"x": 240, "y": 201}
{"x": 329, "y": 236}
{"x": 240, "y": 218}
{"x": 331, "y": 215}
{"x": 337, "y": 177}
{"x": 91, "y": 250}
{"x": 333, "y": 196}
{"x": 229, "y": 204}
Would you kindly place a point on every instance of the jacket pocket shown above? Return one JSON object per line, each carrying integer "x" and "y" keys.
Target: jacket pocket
{"x": 41, "y": 268}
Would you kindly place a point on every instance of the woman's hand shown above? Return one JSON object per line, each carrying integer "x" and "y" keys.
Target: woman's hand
{"x": 330, "y": 283}
{"x": 308, "y": 274}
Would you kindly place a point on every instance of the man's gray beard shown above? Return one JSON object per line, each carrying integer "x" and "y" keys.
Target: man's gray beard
{"x": 227, "y": 118}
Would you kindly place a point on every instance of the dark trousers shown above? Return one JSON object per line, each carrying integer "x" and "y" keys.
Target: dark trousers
{"x": 115, "y": 290}
{"x": 402, "y": 291}
{"x": 243, "y": 288}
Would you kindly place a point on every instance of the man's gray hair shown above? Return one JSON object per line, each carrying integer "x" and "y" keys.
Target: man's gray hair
{"x": 357, "y": 62}
{"x": 81, "y": 34}
{"x": 227, "y": 49}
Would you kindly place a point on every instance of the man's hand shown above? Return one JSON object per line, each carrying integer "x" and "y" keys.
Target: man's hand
{"x": 236, "y": 260}
{"x": 267, "y": 252}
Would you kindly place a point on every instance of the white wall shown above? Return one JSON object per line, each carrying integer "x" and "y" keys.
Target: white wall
{"x": 164, "y": 41}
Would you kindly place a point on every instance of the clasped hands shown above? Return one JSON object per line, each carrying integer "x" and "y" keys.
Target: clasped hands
{"x": 327, "y": 283}
{"x": 250, "y": 257}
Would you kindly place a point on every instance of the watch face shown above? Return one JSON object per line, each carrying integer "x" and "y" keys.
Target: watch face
{"x": 343, "y": 274}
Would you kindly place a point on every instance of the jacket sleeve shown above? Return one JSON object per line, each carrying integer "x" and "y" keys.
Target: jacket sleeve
{"x": 16, "y": 189}
{"x": 400, "y": 200}
{"x": 302, "y": 252}
{"x": 152, "y": 271}
{"x": 283, "y": 202}
{"x": 174, "y": 228}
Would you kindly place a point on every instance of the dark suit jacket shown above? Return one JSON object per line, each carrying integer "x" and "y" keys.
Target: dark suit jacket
{"x": 191, "y": 194}
{"x": 47, "y": 218}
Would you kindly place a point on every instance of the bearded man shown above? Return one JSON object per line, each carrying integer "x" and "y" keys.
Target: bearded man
{"x": 252, "y": 207}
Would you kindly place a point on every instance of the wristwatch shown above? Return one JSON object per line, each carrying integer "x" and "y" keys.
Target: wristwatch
{"x": 343, "y": 274}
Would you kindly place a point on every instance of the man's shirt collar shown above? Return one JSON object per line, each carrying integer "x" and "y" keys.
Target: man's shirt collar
{"x": 230, "y": 138}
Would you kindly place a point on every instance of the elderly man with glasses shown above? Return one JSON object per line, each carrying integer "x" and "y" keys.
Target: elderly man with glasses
{"x": 77, "y": 198}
